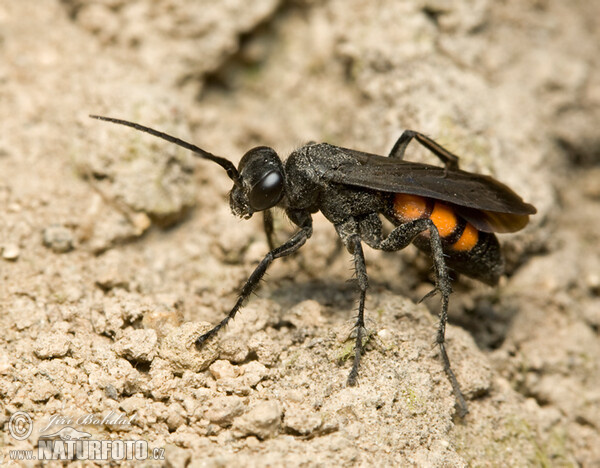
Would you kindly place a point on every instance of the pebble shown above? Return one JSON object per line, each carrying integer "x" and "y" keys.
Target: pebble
{"x": 11, "y": 252}
{"x": 6, "y": 366}
{"x": 58, "y": 238}
{"x": 300, "y": 421}
{"x": 176, "y": 416}
{"x": 263, "y": 421}
{"x": 265, "y": 348}
{"x": 222, "y": 369}
{"x": 253, "y": 372}
{"x": 233, "y": 349}
{"x": 222, "y": 410}
{"x": 137, "y": 345}
{"x": 51, "y": 345}
{"x": 179, "y": 349}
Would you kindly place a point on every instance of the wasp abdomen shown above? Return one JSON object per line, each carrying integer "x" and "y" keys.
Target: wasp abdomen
{"x": 469, "y": 251}
{"x": 456, "y": 233}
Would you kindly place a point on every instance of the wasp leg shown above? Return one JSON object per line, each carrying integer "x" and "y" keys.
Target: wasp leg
{"x": 355, "y": 247}
{"x": 289, "y": 247}
{"x": 350, "y": 233}
{"x": 398, "y": 239}
{"x": 450, "y": 160}
{"x": 268, "y": 227}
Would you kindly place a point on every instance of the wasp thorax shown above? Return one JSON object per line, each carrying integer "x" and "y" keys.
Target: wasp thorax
{"x": 261, "y": 182}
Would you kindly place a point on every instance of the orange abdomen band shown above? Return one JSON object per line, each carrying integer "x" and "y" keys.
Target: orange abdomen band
{"x": 460, "y": 235}
{"x": 444, "y": 219}
{"x": 467, "y": 240}
{"x": 409, "y": 207}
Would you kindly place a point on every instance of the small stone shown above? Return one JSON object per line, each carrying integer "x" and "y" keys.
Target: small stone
{"x": 107, "y": 318}
{"x": 58, "y": 238}
{"x": 301, "y": 422}
{"x": 11, "y": 252}
{"x": 116, "y": 373}
{"x": 223, "y": 369}
{"x": 265, "y": 348}
{"x": 132, "y": 404}
{"x": 42, "y": 390}
{"x": 51, "y": 345}
{"x": 6, "y": 365}
{"x": 592, "y": 281}
{"x": 253, "y": 373}
{"x": 14, "y": 208}
{"x": 141, "y": 223}
{"x": 233, "y": 349}
{"x": 263, "y": 421}
{"x": 223, "y": 410}
{"x": 179, "y": 348}
{"x": 175, "y": 416}
{"x": 137, "y": 345}
{"x": 111, "y": 277}
{"x": 111, "y": 392}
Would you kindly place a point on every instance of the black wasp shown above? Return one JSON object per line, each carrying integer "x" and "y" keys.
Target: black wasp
{"x": 449, "y": 213}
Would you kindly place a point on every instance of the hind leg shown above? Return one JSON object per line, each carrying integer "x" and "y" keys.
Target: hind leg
{"x": 400, "y": 238}
{"x": 449, "y": 159}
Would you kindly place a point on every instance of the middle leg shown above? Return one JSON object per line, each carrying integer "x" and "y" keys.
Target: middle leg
{"x": 349, "y": 233}
{"x": 363, "y": 284}
{"x": 269, "y": 229}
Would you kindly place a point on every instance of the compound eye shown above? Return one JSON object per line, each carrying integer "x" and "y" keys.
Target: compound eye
{"x": 267, "y": 192}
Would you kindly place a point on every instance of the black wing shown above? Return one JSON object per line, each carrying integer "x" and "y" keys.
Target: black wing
{"x": 488, "y": 204}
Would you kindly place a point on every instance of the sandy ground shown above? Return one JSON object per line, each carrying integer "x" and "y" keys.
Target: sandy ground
{"x": 117, "y": 250}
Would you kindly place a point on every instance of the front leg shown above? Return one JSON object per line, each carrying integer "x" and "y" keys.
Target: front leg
{"x": 268, "y": 227}
{"x": 289, "y": 247}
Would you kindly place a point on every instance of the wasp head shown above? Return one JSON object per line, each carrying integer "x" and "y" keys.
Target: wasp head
{"x": 260, "y": 185}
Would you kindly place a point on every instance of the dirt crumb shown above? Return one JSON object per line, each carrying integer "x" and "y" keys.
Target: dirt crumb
{"x": 51, "y": 345}
{"x": 137, "y": 345}
{"x": 262, "y": 420}
{"x": 178, "y": 348}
